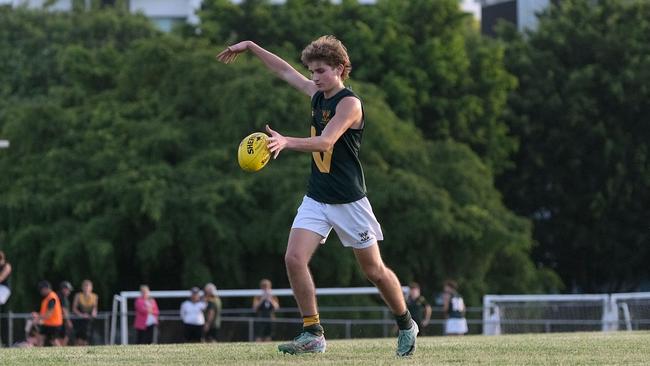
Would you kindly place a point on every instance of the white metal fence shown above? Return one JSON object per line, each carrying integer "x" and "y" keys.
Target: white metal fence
{"x": 121, "y": 306}
{"x": 501, "y": 314}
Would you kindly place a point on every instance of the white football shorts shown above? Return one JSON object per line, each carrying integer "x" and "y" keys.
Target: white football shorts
{"x": 354, "y": 222}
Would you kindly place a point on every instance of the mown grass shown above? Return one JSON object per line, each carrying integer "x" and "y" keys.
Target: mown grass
{"x": 621, "y": 348}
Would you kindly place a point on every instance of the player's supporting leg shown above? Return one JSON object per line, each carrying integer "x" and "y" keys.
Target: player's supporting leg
{"x": 391, "y": 291}
{"x": 302, "y": 245}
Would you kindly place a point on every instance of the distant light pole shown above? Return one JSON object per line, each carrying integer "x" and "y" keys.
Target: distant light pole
{"x": 4, "y": 144}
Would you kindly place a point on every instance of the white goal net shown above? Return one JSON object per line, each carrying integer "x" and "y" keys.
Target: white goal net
{"x": 505, "y": 314}
{"x": 633, "y": 310}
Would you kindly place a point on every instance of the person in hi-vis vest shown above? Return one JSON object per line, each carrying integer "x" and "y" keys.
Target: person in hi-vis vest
{"x": 50, "y": 316}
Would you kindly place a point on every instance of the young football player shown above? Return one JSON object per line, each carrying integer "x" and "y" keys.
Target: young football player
{"x": 336, "y": 193}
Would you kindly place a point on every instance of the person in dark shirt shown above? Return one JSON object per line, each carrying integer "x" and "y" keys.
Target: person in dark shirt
{"x": 418, "y": 306}
{"x": 265, "y": 306}
{"x": 453, "y": 308}
{"x": 66, "y": 331}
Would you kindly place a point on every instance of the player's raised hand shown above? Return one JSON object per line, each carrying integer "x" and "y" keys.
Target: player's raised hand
{"x": 230, "y": 54}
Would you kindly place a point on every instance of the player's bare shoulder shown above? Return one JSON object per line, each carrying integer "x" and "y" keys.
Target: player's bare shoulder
{"x": 350, "y": 108}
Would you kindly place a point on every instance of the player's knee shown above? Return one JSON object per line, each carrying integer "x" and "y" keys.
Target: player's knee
{"x": 375, "y": 273}
{"x": 294, "y": 260}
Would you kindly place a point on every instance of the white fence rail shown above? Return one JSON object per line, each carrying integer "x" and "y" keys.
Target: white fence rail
{"x": 124, "y": 296}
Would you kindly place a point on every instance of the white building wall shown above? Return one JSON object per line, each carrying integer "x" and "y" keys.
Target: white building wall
{"x": 178, "y": 9}
{"x": 60, "y": 5}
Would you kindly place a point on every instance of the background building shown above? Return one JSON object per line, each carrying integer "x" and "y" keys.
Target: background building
{"x": 522, "y": 13}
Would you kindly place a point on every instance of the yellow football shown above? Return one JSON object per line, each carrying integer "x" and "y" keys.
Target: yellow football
{"x": 253, "y": 154}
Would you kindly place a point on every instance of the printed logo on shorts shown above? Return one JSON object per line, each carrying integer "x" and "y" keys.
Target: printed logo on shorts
{"x": 364, "y": 237}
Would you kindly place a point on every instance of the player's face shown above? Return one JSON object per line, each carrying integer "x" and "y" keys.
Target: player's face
{"x": 325, "y": 76}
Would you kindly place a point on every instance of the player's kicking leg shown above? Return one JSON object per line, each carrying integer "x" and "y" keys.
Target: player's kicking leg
{"x": 389, "y": 287}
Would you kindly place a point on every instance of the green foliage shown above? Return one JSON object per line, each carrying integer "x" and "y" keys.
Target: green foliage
{"x": 583, "y": 173}
{"x": 123, "y": 166}
{"x": 435, "y": 68}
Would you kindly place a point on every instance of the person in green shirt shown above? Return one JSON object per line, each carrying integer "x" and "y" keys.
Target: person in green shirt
{"x": 212, "y": 313}
{"x": 418, "y": 306}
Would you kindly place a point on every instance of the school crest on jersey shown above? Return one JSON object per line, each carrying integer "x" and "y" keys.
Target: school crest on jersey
{"x": 326, "y": 116}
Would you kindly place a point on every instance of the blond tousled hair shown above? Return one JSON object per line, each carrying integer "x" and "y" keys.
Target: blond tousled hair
{"x": 329, "y": 50}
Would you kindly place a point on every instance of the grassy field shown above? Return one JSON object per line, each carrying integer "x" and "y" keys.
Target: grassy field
{"x": 622, "y": 348}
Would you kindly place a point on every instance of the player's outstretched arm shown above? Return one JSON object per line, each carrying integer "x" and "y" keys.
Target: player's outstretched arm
{"x": 348, "y": 112}
{"x": 274, "y": 63}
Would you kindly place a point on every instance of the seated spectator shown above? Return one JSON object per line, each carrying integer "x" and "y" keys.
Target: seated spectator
{"x": 31, "y": 336}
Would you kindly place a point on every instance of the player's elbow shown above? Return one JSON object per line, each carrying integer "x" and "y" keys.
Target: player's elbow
{"x": 324, "y": 144}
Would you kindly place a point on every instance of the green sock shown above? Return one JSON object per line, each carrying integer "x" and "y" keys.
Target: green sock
{"x": 315, "y": 329}
{"x": 404, "y": 321}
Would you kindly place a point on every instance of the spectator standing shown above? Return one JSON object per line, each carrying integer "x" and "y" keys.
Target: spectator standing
{"x": 65, "y": 333}
{"x": 265, "y": 306}
{"x": 5, "y": 289}
{"x": 212, "y": 313}
{"x": 146, "y": 316}
{"x": 84, "y": 306}
{"x": 50, "y": 316}
{"x": 453, "y": 308}
{"x": 5, "y": 274}
{"x": 418, "y": 306}
{"x": 192, "y": 316}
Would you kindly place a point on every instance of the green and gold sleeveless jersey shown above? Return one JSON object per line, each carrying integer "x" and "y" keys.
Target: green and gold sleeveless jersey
{"x": 336, "y": 175}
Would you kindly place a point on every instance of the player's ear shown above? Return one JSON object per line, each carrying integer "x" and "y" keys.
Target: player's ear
{"x": 339, "y": 70}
